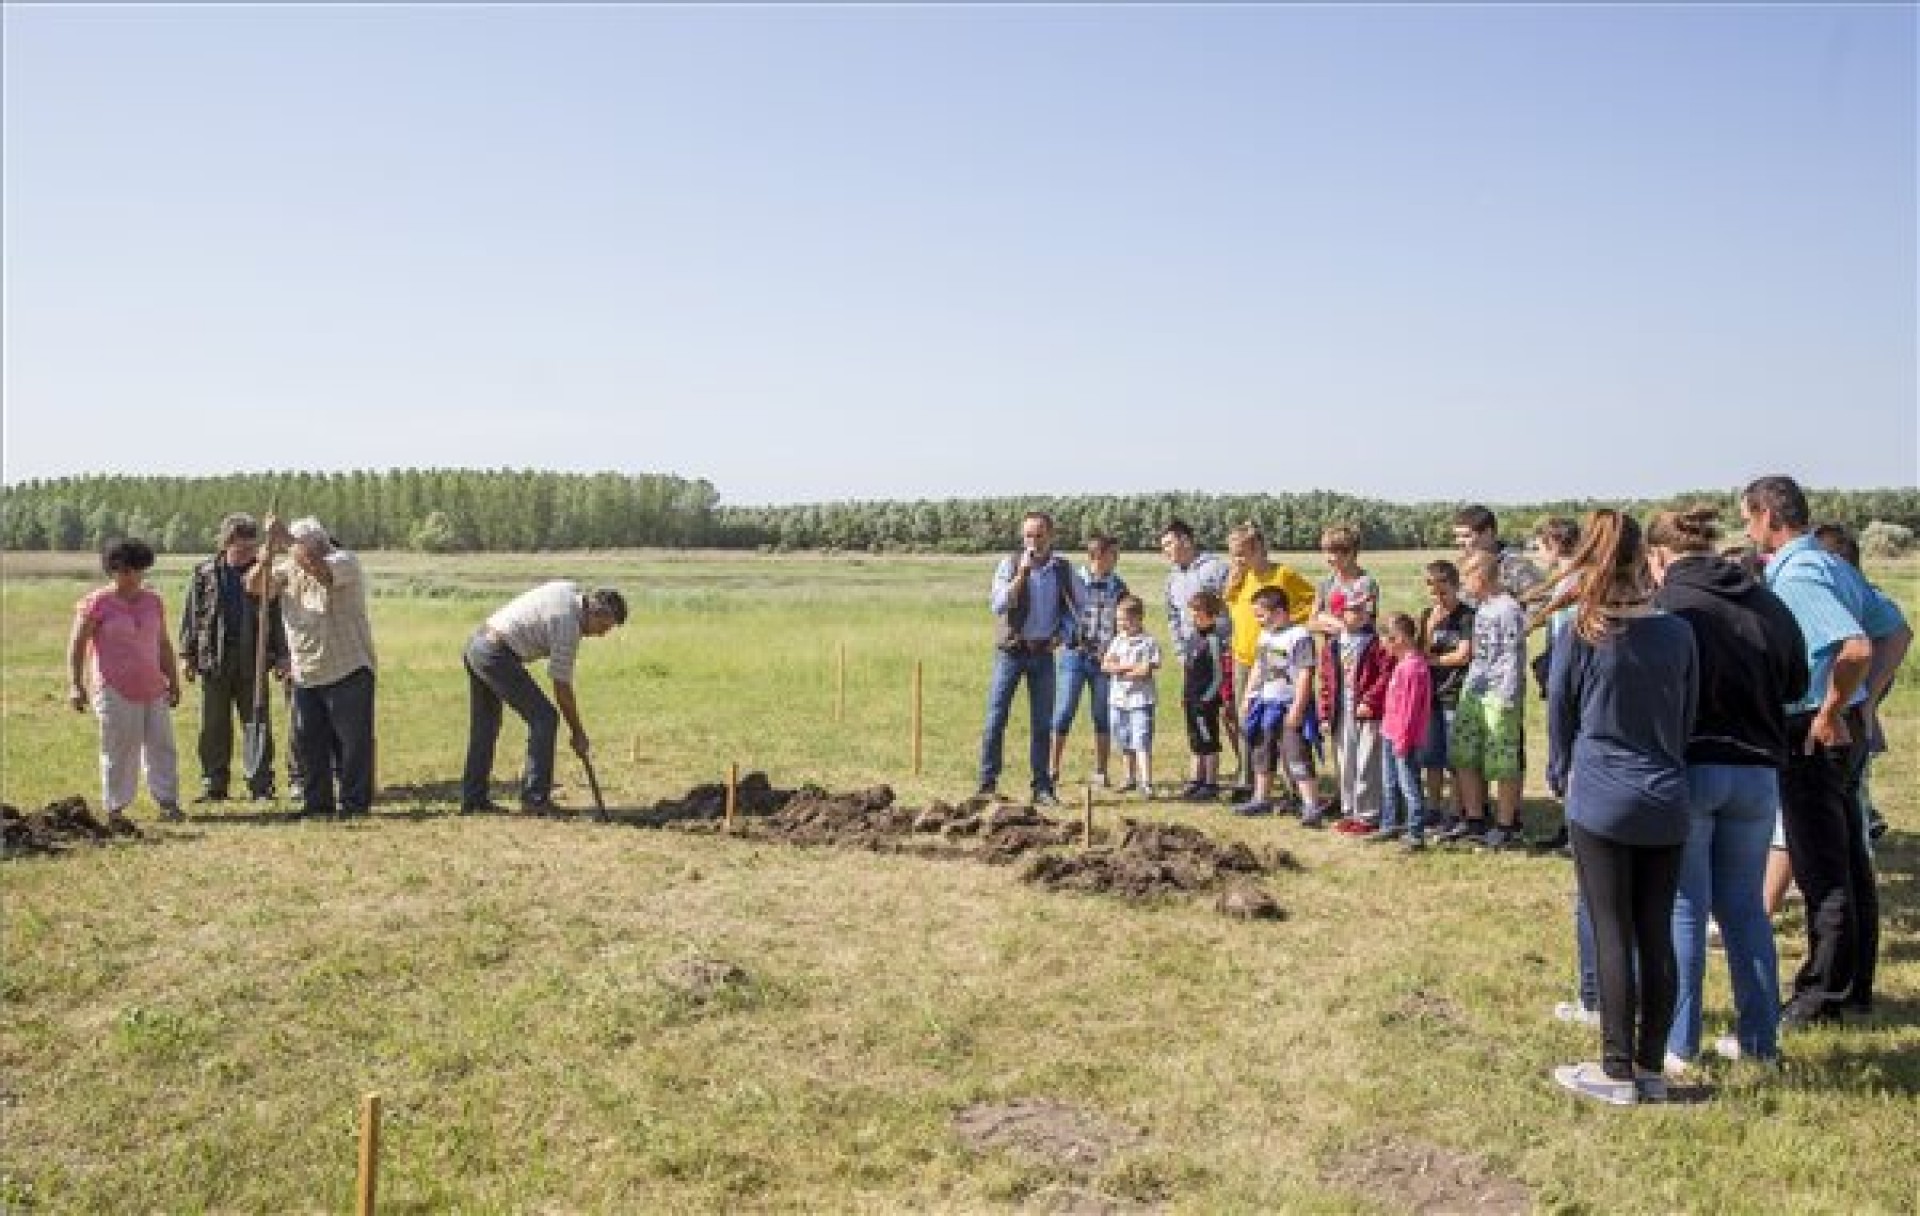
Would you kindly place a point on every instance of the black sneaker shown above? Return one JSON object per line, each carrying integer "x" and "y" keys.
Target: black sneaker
{"x": 1498, "y": 839}
{"x": 1468, "y": 830}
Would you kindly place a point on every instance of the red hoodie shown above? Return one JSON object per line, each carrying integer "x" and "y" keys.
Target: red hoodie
{"x": 1369, "y": 680}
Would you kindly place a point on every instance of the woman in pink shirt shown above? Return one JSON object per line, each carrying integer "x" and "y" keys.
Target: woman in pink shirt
{"x": 132, "y": 682}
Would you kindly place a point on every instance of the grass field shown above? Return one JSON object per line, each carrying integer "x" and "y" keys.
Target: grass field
{"x": 191, "y": 1020}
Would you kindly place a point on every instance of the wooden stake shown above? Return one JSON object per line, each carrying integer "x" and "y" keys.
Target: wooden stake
{"x": 840, "y": 683}
{"x": 918, "y": 682}
{"x": 1087, "y": 838}
{"x": 733, "y": 792}
{"x": 369, "y": 1152}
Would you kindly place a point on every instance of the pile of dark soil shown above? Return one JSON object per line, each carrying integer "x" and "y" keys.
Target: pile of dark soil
{"x": 708, "y": 803}
{"x": 995, "y": 832}
{"x": 55, "y": 828}
{"x": 1155, "y": 859}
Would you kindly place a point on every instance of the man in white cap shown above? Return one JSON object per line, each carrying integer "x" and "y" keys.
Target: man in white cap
{"x": 323, "y": 601}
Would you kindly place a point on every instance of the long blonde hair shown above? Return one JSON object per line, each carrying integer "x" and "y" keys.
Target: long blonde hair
{"x": 1609, "y": 572}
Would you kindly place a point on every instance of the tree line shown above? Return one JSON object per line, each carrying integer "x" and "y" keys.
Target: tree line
{"x": 505, "y": 510}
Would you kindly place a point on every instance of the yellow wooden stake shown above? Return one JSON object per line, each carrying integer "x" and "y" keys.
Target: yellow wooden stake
{"x": 733, "y": 792}
{"x": 1086, "y": 841}
{"x": 369, "y": 1152}
{"x": 918, "y": 682}
{"x": 840, "y": 683}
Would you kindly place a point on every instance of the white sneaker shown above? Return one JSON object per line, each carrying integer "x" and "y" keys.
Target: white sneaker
{"x": 1590, "y": 1081}
{"x": 1675, "y": 1068}
{"x": 1727, "y": 1047}
{"x": 1576, "y": 1013}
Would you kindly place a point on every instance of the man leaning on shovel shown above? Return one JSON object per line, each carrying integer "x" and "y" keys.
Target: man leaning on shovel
{"x": 544, "y": 623}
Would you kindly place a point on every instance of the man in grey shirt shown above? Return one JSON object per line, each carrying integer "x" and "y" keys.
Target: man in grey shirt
{"x": 544, "y": 623}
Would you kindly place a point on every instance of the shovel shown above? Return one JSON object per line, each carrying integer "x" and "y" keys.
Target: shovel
{"x": 593, "y": 783}
{"x": 257, "y": 740}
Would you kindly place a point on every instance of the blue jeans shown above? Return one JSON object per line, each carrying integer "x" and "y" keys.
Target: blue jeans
{"x": 333, "y": 726}
{"x": 1403, "y": 785}
{"x": 1079, "y": 672}
{"x": 497, "y": 676}
{"x": 1036, "y": 667}
{"x": 1723, "y": 872}
{"x": 1589, "y": 971}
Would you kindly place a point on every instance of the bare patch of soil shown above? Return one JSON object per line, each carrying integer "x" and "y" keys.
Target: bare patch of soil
{"x": 1048, "y": 1132}
{"x": 701, "y": 978}
{"x": 1431, "y": 1181}
{"x": 55, "y": 828}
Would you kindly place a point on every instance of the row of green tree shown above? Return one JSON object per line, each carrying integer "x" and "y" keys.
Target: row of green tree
{"x": 436, "y": 510}
{"x": 1289, "y": 521}
{"x": 460, "y": 510}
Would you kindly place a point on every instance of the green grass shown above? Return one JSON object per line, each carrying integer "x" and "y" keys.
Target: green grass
{"x": 190, "y": 1023}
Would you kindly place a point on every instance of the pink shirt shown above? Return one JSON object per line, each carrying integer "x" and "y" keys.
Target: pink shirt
{"x": 1409, "y": 703}
{"x": 126, "y": 643}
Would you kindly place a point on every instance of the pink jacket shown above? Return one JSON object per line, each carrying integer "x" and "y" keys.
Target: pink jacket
{"x": 1409, "y": 703}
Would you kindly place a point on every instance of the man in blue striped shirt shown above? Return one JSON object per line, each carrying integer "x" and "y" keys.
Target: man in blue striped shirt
{"x": 1826, "y": 735}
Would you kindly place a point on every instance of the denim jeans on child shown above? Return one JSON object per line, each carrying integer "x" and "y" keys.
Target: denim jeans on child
{"x": 1079, "y": 672}
{"x": 1723, "y": 874}
{"x": 1402, "y": 787}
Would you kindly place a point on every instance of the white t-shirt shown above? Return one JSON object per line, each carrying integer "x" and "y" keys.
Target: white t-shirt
{"x": 1278, "y": 658}
{"x": 1130, "y": 692}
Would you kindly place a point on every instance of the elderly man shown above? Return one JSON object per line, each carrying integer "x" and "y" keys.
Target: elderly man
{"x": 1036, "y": 603}
{"x": 218, "y": 634}
{"x": 544, "y": 623}
{"x": 323, "y": 602}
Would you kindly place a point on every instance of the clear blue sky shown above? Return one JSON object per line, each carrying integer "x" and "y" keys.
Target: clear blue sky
{"x": 850, "y": 252}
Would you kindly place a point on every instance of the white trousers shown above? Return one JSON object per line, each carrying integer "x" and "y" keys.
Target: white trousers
{"x": 1360, "y": 772}
{"x": 132, "y": 732}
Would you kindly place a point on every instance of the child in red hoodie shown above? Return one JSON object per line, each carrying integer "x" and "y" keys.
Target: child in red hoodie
{"x": 1354, "y": 671}
{"x": 1409, "y": 708}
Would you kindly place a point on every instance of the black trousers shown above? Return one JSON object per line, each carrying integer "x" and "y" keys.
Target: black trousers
{"x": 1629, "y": 892}
{"x": 1827, "y": 844}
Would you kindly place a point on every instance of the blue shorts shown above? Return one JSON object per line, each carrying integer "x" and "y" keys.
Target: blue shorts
{"x": 1133, "y": 729}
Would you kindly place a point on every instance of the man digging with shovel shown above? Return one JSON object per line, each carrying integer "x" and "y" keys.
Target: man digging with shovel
{"x": 544, "y": 623}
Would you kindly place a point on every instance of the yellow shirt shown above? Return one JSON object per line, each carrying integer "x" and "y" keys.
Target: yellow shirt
{"x": 1246, "y": 630}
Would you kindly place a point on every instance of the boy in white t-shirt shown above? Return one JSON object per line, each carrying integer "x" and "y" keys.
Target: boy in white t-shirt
{"x": 1279, "y": 700}
{"x": 1131, "y": 659}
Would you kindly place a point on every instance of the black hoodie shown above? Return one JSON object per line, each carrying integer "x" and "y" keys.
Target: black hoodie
{"x": 1753, "y": 660}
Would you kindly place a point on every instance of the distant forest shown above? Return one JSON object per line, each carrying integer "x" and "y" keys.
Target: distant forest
{"x": 465, "y": 510}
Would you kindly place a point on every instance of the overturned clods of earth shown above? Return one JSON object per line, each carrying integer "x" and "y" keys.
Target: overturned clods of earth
{"x": 1149, "y": 860}
{"x": 1154, "y": 859}
{"x": 56, "y": 827}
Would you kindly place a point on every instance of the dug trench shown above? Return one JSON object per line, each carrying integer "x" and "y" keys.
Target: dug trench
{"x": 1140, "y": 861}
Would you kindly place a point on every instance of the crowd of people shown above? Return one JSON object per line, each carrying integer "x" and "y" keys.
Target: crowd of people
{"x": 1711, "y": 712}
{"x": 1710, "y": 709}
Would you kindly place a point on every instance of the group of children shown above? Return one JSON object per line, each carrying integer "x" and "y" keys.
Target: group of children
{"x": 1400, "y": 704}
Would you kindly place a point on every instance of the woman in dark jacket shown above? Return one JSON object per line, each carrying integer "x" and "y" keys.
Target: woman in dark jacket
{"x": 1620, "y": 708}
{"x": 1752, "y": 664}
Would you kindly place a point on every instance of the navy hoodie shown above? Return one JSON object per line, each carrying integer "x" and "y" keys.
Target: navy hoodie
{"x": 1752, "y": 660}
